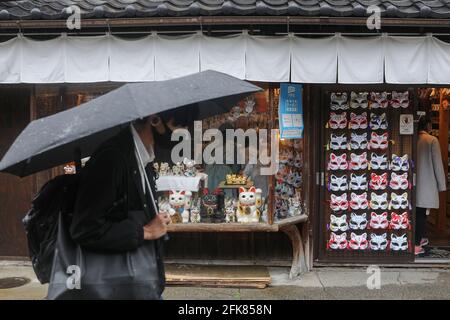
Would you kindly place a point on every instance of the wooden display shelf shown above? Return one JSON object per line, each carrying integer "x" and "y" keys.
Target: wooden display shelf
{"x": 288, "y": 226}
{"x": 222, "y": 227}
{"x": 236, "y": 227}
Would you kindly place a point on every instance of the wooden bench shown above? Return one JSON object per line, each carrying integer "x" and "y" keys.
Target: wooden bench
{"x": 300, "y": 254}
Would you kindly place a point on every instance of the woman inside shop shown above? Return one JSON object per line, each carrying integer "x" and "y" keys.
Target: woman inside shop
{"x": 430, "y": 180}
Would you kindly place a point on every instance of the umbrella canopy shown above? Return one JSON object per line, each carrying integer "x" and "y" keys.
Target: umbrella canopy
{"x": 51, "y": 141}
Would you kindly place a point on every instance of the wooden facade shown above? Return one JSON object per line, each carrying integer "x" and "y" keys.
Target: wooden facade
{"x": 20, "y": 104}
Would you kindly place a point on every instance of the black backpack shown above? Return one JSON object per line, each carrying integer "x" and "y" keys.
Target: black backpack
{"x": 41, "y": 222}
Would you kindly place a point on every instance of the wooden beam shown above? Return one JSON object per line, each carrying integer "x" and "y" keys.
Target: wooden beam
{"x": 222, "y": 20}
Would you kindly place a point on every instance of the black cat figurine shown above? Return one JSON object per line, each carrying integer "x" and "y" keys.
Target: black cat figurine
{"x": 212, "y": 207}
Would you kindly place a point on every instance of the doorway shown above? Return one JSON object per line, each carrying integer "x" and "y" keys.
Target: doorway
{"x": 435, "y": 103}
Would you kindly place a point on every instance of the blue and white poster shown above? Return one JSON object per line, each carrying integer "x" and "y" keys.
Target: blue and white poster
{"x": 290, "y": 111}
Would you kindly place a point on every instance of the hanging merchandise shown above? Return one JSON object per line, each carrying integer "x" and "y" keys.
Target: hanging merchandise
{"x": 339, "y": 203}
{"x": 400, "y": 99}
{"x": 378, "y": 121}
{"x": 338, "y": 120}
{"x": 358, "y": 121}
{"x": 338, "y": 142}
{"x": 358, "y": 242}
{"x": 338, "y": 223}
{"x": 379, "y": 202}
{"x": 338, "y": 162}
{"x": 338, "y": 241}
{"x": 399, "y": 163}
{"x": 399, "y": 243}
{"x": 368, "y": 178}
{"x": 358, "y": 161}
{"x": 358, "y": 141}
{"x": 378, "y": 182}
{"x": 378, "y": 162}
{"x": 378, "y": 141}
{"x": 399, "y": 181}
{"x": 378, "y": 221}
{"x": 358, "y": 221}
{"x": 379, "y": 100}
{"x": 378, "y": 242}
{"x": 338, "y": 183}
{"x": 399, "y": 201}
{"x": 339, "y": 101}
{"x": 359, "y": 201}
{"x": 358, "y": 182}
{"x": 399, "y": 221}
{"x": 359, "y": 100}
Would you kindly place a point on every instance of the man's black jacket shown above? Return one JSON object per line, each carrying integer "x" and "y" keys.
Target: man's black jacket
{"x": 109, "y": 214}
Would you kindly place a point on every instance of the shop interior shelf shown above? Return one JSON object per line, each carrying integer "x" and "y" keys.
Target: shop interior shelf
{"x": 236, "y": 227}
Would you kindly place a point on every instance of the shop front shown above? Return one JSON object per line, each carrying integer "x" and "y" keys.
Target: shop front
{"x": 339, "y": 111}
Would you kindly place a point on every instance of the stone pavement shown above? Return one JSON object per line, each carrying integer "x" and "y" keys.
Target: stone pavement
{"x": 322, "y": 283}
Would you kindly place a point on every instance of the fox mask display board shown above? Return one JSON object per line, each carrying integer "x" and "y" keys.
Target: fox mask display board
{"x": 368, "y": 198}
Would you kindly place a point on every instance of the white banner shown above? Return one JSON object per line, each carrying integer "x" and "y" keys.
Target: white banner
{"x": 10, "y": 61}
{"x": 226, "y": 54}
{"x": 87, "y": 59}
{"x": 131, "y": 59}
{"x": 176, "y": 56}
{"x": 268, "y": 59}
{"x": 439, "y": 57}
{"x": 360, "y": 60}
{"x": 337, "y": 59}
{"x": 314, "y": 60}
{"x": 42, "y": 61}
{"x": 406, "y": 60}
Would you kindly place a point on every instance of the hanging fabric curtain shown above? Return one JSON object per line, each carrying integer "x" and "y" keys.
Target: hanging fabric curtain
{"x": 87, "y": 59}
{"x": 131, "y": 59}
{"x": 176, "y": 56}
{"x": 313, "y": 60}
{"x": 406, "y": 60}
{"x": 10, "y": 61}
{"x": 268, "y": 59}
{"x": 337, "y": 59}
{"x": 225, "y": 54}
{"x": 42, "y": 61}
{"x": 439, "y": 57}
{"x": 360, "y": 60}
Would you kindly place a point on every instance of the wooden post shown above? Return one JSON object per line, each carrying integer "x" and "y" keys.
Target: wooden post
{"x": 298, "y": 253}
{"x": 271, "y": 191}
{"x": 443, "y": 141}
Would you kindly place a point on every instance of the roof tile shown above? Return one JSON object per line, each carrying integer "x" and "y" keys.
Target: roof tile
{"x": 54, "y": 9}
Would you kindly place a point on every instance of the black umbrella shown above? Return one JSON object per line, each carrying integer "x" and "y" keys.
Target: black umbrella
{"x": 51, "y": 141}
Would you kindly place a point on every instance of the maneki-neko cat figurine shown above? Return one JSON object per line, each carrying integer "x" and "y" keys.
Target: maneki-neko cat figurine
{"x": 180, "y": 202}
{"x": 212, "y": 206}
{"x": 249, "y": 205}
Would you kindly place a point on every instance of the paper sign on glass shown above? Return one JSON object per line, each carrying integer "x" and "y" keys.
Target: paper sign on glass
{"x": 406, "y": 124}
{"x": 290, "y": 111}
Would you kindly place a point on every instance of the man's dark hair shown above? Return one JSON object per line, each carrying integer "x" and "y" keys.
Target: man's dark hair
{"x": 423, "y": 123}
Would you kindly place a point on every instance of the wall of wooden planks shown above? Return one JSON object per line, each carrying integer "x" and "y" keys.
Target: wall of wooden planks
{"x": 15, "y": 193}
